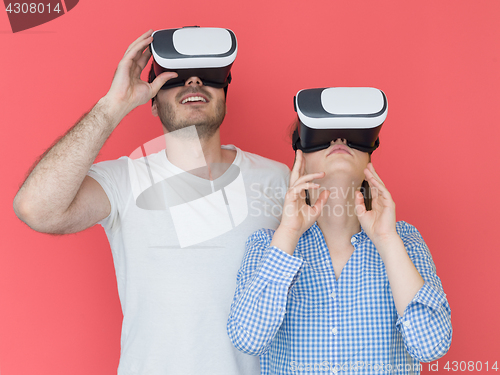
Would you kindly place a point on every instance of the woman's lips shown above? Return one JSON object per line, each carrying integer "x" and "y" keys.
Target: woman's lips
{"x": 339, "y": 149}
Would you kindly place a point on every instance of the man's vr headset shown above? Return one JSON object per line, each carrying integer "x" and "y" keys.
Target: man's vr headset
{"x": 205, "y": 52}
{"x": 352, "y": 113}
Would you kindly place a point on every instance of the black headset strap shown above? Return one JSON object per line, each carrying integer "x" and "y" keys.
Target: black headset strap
{"x": 363, "y": 148}
{"x": 297, "y": 146}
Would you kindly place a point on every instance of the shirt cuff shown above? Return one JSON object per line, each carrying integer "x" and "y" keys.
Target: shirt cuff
{"x": 279, "y": 267}
{"x": 427, "y": 296}
{"x": 426, "y": 325}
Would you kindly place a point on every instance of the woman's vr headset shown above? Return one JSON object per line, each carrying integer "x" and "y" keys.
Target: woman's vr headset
{"x": 352, "y": 113}
{"x": 205, "y": 52}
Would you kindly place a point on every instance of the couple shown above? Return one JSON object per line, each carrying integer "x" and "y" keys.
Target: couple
{"x": 320, "y": 291}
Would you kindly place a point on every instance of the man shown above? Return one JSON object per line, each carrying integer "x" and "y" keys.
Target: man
{"x": 176, "y": 219}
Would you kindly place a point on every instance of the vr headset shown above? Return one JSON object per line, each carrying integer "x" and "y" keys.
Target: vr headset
{"x": 352, "y": 113}
{"x": 205, "y": 52}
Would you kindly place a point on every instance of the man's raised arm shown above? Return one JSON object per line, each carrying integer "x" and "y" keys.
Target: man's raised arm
{"x": 58, "y": 196}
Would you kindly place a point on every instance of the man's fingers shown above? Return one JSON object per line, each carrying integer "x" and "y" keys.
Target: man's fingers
{"x": 160, "y": 80}
{"x": 144, "y": 36}
{"x": 143, "y": 60}
{"x": 138, "y": 46}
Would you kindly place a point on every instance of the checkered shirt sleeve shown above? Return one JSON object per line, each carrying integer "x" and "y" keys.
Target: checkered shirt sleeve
{"x": 259, "y": 303}
{"x": 426, "y": 321}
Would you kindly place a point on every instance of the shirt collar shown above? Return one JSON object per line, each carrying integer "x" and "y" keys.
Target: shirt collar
{"x": 315, "y": 230}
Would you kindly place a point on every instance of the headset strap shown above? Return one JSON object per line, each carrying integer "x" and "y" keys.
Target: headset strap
{"x": 297, "y": 146}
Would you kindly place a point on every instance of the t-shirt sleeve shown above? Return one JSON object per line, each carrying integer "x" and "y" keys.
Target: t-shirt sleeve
{"x": 112, "y": 175}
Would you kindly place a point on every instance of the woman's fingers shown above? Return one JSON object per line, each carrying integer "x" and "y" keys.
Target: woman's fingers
{"x": 309, "y": 177}
{"x": 378, "y": 188}
{"x": 295, "y": 173}
{"x": 296, "y": 190}
{"x": 371, "y": 168}
{"x": 302, "y": 164}
{"x": 359, "y": 204}
{"x": 381, "y": 197}
{"x": 320, "y": 203}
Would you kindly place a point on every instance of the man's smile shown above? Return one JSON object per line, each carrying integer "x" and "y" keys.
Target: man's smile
{"x": 194, "y": 98}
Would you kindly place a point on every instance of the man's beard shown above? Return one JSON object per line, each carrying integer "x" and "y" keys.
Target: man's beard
{"x": 205, "y": 127}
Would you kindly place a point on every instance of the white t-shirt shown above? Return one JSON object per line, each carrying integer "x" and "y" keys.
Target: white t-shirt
{"x": 177, "y": 242}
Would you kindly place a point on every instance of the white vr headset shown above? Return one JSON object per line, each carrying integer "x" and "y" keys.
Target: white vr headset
{"x": 352, "y": 113}
{"x": 205, "y": 52}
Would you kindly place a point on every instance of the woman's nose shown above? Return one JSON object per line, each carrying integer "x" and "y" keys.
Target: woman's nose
{"x": 342, "y": 140}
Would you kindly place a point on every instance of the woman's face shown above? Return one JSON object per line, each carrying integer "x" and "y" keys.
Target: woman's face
{"x": 341, "y": 164}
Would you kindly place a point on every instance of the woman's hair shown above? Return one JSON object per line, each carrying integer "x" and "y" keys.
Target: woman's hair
{"x": 365, "y": 187}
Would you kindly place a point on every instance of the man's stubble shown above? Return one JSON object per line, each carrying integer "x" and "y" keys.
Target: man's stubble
{"x": 205, "y": 126}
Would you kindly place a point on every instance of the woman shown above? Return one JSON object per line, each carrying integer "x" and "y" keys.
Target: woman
{"x": 339, "y": 288}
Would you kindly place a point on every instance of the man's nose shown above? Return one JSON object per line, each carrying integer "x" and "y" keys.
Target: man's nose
{"x": 193, "y": 81}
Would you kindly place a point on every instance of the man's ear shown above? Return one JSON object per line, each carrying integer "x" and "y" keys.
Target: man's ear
{"x": 154, "y": 108}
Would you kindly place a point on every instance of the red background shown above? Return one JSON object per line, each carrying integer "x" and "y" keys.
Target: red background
{"x": 438, "y": 63}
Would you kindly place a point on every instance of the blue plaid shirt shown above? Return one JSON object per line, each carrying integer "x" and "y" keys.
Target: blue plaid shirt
{"x": 293, "y": 312}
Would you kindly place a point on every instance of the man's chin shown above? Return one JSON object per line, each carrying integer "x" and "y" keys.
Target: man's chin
{"x": 203, "y": 129}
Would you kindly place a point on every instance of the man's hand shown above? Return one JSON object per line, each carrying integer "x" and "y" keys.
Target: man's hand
{"x": 57, "y": 196}
{"x": 127, "y": 89}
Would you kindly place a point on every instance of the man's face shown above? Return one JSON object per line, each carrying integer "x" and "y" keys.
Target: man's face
{"x": 191, "y": 104}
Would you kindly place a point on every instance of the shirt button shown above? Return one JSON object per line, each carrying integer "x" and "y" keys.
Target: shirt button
{"x": 335, "y": 330}
{"x": 406, "y": 324}
{"x": 353, "y": 240}
{"x": 333, "y": 295}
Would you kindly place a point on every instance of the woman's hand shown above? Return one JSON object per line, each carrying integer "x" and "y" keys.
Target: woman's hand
{"x": 297, "y": 216}
{"x": 380, "y": 223}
